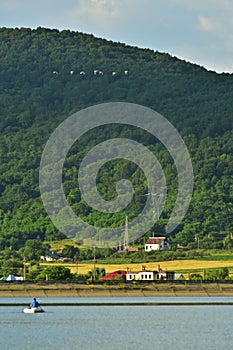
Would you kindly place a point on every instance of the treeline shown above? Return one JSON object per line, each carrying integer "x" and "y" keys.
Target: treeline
{"x": 34, "y": 100}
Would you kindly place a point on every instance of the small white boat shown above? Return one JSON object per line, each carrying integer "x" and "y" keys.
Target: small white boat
{"x": 32, "y": 310}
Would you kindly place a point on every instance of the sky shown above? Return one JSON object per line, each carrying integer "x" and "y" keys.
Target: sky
{"x": 198, "y": 31}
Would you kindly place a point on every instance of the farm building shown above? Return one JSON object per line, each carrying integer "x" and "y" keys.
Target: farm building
{"x": 149, "y": 275}
{"x": 114, "y": 275}
{"x": 156, "y": 243}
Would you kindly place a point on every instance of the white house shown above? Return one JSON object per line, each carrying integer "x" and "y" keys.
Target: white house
{"x": 50, "y": 256}
{"x": 149, "y": 275}
{"x": 144, "y": 275}
{"x": 156, "y": 243}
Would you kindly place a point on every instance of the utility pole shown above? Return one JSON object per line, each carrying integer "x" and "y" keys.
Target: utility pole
{"x": 197, "y": 240}
{"x": 156, "y": 199}
{"x": 94, "y": 267}
{"x": 24, "y": 269}
{"x": 126, "y": 235}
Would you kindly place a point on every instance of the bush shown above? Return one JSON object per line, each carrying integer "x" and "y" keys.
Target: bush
{"x": 56, "y": 273}
{"x": 217, "y": 274}
{"x": 195, "y": 277}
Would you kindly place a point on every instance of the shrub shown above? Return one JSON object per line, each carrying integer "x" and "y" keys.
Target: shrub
{"x": 217, "y": 274}
{"x": 195, "y": 277}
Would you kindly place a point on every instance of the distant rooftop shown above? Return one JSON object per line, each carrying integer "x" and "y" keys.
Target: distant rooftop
{"x": 155, "y": 240}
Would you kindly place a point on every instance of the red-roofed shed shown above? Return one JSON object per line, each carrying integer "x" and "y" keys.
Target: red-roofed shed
{"x": 113, "y": 275}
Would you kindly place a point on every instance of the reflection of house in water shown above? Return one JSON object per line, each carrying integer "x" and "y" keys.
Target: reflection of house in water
{"x": 156, "y": 243}
{"x": 150, "y": 275}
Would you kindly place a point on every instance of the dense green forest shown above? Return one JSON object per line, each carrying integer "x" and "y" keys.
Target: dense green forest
{"x": 41, "y": 85}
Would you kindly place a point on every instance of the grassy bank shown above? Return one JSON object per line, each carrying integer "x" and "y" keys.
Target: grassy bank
{"x": 171, "y": 289}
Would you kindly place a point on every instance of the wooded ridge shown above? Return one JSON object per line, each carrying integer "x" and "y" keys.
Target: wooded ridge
{"x": 46, "y": 75}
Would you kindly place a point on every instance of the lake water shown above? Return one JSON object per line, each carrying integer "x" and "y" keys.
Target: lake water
{"x": 118, "y": 327}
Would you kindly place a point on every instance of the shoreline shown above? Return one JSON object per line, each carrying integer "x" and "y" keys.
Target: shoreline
{"x": 119, "y": 303}
{"x": 63, "y": 290}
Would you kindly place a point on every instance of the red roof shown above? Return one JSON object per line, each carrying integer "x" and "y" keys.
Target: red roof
{"x": 114, "y": 274}
{"x": 155, "y": 240}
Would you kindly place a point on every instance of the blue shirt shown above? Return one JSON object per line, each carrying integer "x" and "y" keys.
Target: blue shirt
{"x": 35, "y": 303}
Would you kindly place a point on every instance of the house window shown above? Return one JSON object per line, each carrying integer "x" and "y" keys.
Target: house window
{"x": 149, "y": 277}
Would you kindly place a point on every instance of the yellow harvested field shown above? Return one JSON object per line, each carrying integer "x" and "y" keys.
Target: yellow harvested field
{"x": 62, "y": 244}
{"x": 176, "y": 265}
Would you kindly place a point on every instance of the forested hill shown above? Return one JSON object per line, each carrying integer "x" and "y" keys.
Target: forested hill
{"x": 46, "y": 75}
{"x": 196, "y": 101}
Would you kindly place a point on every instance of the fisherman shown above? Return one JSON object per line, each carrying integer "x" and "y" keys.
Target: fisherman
{"x": 34, "y": 304}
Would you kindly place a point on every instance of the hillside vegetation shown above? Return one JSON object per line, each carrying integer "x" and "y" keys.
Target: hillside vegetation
{"x": 41, "y": 85}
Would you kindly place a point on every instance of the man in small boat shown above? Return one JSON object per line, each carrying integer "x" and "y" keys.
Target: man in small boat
{"x": 34, "y": 304}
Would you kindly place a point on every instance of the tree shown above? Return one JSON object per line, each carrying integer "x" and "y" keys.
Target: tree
{"x": 95, "y": 274}
{"x": 228, "y": 242}
{"x": 217, "y": 274}
{"x": 11, "y": 267}
{"x": 33, "y": 249}
{"x": 56, "y": 273}
{"x": 70, "y": 252}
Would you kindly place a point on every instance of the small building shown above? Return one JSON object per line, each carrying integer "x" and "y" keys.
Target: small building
{"x": 13, "y": 278}
{"x": 144, "y": 275}
{"x": 114, "y": 275}
{"x": 179, "y": 276}
{"x": 150, "y": 275}
{"x": 50, "y": 256}
{"x": 132, "y": 249}
{"x": 156, "y": 243}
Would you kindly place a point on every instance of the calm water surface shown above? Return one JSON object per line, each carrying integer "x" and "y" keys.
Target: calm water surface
{"x": 118, "y": 327}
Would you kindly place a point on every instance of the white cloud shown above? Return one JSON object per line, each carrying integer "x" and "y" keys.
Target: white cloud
{"x": 205, "y": 24}
{"x": 94, "y": 11}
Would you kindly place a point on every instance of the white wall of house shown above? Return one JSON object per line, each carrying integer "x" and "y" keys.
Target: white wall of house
{"x": 141, "y": 276}
{"x": 150, "y": 247}
{"x": 158, "y": 244}
{"x": 132, "y": 276}
{"x": 149, "y": 275}
{"x": 47, "y": 258}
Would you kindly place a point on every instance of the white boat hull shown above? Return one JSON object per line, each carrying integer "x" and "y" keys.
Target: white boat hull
{"x": 32, "y": 310}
